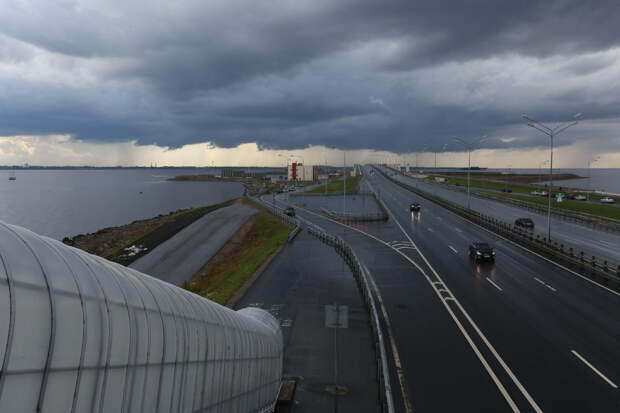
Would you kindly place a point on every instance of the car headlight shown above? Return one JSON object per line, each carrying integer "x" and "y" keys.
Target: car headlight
{"x": 493, "y": 253}
{"x": 478, "y": 253}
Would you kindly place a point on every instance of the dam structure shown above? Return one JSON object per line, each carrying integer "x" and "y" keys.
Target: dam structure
{"x": 79, "y": 333}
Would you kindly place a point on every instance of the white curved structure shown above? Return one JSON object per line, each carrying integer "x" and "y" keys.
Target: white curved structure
{"x": 82, "y": 334}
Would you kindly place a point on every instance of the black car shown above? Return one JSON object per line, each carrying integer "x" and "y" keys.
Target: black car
{"x": 415, "y": 207}
{"x": 507, "y": 190}
{"x": 290, "y": 211}
{"x": 481, "y": 251}
{"x": 524, "y": 223}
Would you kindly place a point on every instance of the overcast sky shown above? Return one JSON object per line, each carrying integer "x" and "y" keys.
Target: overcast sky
{"x": 136, "y": 81}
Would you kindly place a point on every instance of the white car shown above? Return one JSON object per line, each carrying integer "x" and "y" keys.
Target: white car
{"x": 534, "y": 193}
{"x": 543, "y": 193}
{"x": 607, "y": 200}
{"x": 580, "y": 197}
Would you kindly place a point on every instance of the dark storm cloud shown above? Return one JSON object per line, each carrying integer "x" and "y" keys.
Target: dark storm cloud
{"x": 174, "y": 73}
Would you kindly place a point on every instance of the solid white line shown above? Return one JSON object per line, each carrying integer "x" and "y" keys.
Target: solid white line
{"x": 453, "y": 249}
{"x": 587, "y": 363}
{"x": 444, "y": 301}
{"x": 550, "y": 287}
{"x": 532, "y": 252}
{"x": 499, "y": 359}
{"x": 494, "y": 285}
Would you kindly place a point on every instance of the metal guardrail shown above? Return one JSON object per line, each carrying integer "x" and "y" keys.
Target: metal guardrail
{"x": 594, "y": 221}
{"x": 347, "y": 253}
{"x": 598, "y": 269}
{"x": 360, "y": 276}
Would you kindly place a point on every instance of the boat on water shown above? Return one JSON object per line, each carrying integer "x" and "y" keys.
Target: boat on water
{"x": 12, "y": 177}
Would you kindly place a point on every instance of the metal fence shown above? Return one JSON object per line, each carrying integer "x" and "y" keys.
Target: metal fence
{"x": 361, "y": 278}
{"x": 81, "y": 334}
{"x": 597, "y": 268}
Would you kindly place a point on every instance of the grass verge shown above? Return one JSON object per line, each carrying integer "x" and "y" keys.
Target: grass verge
{"x": 338, "y": 186}
{"x": 239, "y": 259}
{"x": 607, "y": 211}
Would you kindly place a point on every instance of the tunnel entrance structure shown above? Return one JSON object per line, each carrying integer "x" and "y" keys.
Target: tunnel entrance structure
{"x": 79, "y": 333}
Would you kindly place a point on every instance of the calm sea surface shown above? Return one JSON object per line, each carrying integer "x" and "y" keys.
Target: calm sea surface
{"x": 60, "y": 203}
{"x": 601, "y": 179}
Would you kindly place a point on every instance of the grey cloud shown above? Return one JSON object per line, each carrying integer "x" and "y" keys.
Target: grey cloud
{"x": 174, "y": 73}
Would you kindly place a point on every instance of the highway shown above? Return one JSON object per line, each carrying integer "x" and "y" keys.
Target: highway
{"x": 518, "y": 335}
{"x": 591, "y": 241}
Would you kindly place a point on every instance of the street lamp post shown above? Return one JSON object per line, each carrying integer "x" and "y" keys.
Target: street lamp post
{"x": 469, "y": 146}
{"x": 539, "y": 170}
{"x": 551, "y": 132}
{"x": 591, "y": 161}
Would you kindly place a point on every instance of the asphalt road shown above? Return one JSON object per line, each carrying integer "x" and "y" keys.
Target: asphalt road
{"x": 297, "y": 286}
{"x": 182, "y": 256}
{"x": 518, "y": 335}
{"x": 591, "y": 241}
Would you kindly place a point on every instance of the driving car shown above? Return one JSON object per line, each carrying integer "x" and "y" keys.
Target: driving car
{"x": 414, "y": 207}
{"x": 481, "y": 251}
{"x": 290, "y": 211}
{"x": 524, "y": 223}
{"x": 580, "y": 197}
{"x": 607, "y": 200}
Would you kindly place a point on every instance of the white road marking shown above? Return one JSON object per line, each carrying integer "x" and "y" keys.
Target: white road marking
{"x": 453, "y": 249}
{"x": 430, "y": 229}
{"x": 545, "y": 284}
{"x": 587, "y": 363}
{"x": 483, "y": 361}
{"x": 493, "y": 284}
{"x": 458, "y": 230}
{"x": 458, "y": 323}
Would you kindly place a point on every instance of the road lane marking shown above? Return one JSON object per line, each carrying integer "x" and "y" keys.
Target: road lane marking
{"x": 493, "y": 284}
{"x": 527, "y": 249}
{"x": 489, "y": 346}
{"x": 450, "y": 311}
{"x": 453, "y": 249}
{"x": 458, "y": 230}
{"x": 587, "y": 363}
{"x": 430, "y": 229}
{"x": 466, "y": 335}
{"x": 545, "y": 284}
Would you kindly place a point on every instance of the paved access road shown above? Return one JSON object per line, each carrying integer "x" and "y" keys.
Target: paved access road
{"x": 182, "y": 256}
{"x": 296, "y": 287}
{"x": 518, "y": 335}
{"x": 591, "y": 241}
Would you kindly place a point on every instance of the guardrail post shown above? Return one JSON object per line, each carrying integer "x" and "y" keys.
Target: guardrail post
{"x": 581, "y": 256}
{"x": 605, "y": 268}
{"x": 593, "y": 261}
{"x": 570, "y": 252}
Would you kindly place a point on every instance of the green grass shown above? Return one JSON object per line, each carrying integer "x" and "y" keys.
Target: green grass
{"x": 337, "y": 186}
{"x": 220, "y": 282}
{"x": 607, "y": 211}
{"x": 498, "y": 186}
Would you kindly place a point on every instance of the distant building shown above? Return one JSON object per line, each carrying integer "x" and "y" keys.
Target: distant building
{"x": 300, "y": 172}
{"x": 275, "y": 178}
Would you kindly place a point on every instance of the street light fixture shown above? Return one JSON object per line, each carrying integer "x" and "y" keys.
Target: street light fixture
{"x": 591, "y": 161}
{"x": 469, "y": 146}
{"x": 550, "y": 132}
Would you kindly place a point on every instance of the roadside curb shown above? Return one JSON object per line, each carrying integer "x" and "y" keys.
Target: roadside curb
{"x": 250, "y": 281}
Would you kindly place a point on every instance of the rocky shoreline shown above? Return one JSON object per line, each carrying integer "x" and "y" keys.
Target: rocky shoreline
{"x": 126, "y": 243}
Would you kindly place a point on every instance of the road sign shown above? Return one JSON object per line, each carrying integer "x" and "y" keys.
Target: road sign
{"x": 559, "y": 197}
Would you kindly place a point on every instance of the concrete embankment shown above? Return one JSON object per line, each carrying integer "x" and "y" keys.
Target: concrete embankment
{"x": 179, "y": 258}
